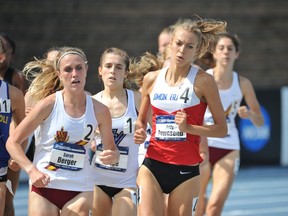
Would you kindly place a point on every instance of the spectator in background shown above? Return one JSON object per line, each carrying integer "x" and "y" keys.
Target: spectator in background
{"x": 178, "y": 96}
{"x": 224, "y": 152}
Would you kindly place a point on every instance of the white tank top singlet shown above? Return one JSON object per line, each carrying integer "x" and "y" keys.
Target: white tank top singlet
{"x": 122, "y": 175}
{"x": 62, "y": 145}
{"x": 231, "y": 99}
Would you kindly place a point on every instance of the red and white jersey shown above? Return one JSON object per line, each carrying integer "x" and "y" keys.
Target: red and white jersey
{"x": 167, "y": 143}
{"x": 231, "y": 99}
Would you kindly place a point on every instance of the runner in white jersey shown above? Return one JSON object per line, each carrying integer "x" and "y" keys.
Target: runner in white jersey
{"x": 231, "y": 99}
{"x": 115, "y": 186}
{"x": 62, "y": 142}
{"x": 66, "y": 122}
{"x": 122, "y": 175}
{"x": 224, "y": 156}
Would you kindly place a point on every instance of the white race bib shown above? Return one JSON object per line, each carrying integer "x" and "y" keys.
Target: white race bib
{"x": 122, "y": 164}
{"x": 68, "y": 156}
{"x": 167, "y": 129}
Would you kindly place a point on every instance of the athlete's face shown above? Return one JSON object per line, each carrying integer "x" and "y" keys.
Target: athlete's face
{"x": 6, "y": 58}
{"x": 225, "y": 52}
{"x": 163, "y": 41}
{"x": 183, "y": 47}
{"x": 73, "y": 71}
{"x": 113, "y": 71}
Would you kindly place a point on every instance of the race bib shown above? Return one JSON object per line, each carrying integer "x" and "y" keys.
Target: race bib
{"x": 167, "y": 129}
{"x": 5, "y": 105}
{"x": 122, "y": 164}
{"x": 68, "y": 156}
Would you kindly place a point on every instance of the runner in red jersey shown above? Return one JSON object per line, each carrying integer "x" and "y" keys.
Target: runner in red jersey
{"x": 178, "y": 95}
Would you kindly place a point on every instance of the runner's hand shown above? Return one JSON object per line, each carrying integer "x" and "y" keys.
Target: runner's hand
{"x": 140, "y": 136}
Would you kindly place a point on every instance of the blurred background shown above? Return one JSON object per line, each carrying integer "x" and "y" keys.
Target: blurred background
{"x": 262, "y": 26}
